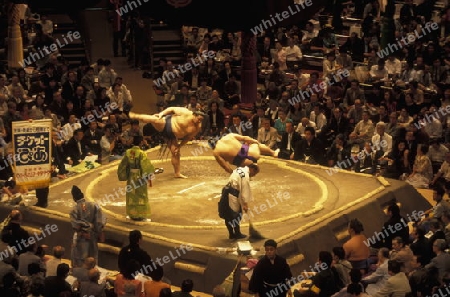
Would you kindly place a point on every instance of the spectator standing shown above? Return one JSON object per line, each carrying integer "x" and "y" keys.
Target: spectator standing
{"x": 272, "y": 271}
{"x": 87, "y": 221}
{"x": 133, "y": 251}
{"x": 356, "y": 250}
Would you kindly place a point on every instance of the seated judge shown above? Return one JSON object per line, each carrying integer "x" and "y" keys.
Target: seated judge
{"x": 268, "y": 135}
{"x": 310, "y": 149}
{"x": 288, "y": 142}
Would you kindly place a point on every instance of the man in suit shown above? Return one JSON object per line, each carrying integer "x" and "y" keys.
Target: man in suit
{"x": 268, "y": 135}
{"x": 55, "y": 285}
{"x": 92, "y": 138}
{"x": 411, "y": 146}
{"x": 288, "y": 142}
{"x": 368, "y": 159}
{"x": 241, "y": 128}
{"x": 70, "y": 86}
{"x": 226, "y": 72}
{"x": 27, "y": 258}
{"x": 257, "y": 120}
{"x": 75, "y": 148}
{"x": 355, "y": 47}
{"x": 438, "y": 233}
{"x": 353, "y": 93}
{"x": 437, "y": 70}
{"x": 442, "y": 260}
{"x": 402, "y": 253}
{"x": 264, "y": 51}
{"x": 397, "y": 285}
{"x": 339, "y": 153}
{"x": 310, "y": 149}
{"x": 192, "y": 78}
{"x": 92, "y": 288}
{"x": 58, "y": 105}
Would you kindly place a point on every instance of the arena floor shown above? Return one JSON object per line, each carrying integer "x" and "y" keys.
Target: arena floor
{"x": 304, "y": 208}
{"x": 288, "y": 197}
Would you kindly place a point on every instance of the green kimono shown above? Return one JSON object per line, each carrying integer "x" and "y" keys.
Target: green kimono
{"x": 136, "y": 169}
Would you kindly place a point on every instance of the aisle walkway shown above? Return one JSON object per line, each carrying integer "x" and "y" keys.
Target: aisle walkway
{"x": 144, "y": 98}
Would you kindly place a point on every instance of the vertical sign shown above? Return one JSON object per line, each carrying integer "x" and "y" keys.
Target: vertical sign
{"x": 33, "y": 156}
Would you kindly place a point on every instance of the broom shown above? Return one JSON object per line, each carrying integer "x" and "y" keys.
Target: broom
{"x": 252, "y": 232}
{"x": 227, "y": 284}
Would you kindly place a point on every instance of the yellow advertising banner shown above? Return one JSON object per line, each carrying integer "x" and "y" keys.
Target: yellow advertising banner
{"x": 32, "y": 147}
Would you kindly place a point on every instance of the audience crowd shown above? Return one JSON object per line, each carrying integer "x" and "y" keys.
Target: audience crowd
{"x": 386, "y": 117}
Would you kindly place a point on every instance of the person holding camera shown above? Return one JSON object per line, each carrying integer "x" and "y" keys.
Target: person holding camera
{"x": 110, "y": 144}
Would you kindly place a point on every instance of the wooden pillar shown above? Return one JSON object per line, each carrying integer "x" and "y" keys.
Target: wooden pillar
{"x": 15, "y": 46}
{"x": 248, "y": 68}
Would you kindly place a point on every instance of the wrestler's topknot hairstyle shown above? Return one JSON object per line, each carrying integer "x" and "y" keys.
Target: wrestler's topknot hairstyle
{"x": 356, "y": 225}
{"x": 199, "y": 113}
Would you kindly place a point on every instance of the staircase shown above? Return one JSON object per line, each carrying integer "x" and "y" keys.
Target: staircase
{"x": 74, "y": 52}
{"x": 167, "y": 43}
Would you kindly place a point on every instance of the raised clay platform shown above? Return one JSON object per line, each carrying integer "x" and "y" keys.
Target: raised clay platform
{"x": 301, "y": 206}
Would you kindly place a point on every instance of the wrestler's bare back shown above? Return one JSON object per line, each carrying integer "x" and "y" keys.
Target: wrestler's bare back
{"x": 229, "y": 146}
{"x": 183, "y": 122}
